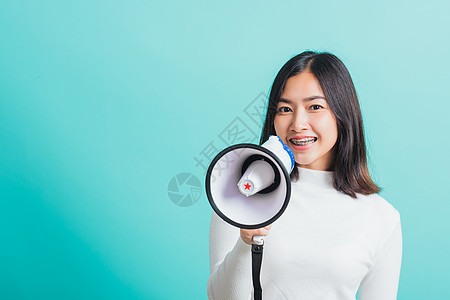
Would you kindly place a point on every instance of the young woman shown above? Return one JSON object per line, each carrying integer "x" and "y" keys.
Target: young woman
{"x": 337, "y": 234}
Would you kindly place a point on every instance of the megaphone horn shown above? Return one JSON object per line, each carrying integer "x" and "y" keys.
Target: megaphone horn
{"x": 254, "y": 190}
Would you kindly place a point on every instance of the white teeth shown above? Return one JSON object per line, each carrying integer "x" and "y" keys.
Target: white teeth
{"x": 303, "y": 142}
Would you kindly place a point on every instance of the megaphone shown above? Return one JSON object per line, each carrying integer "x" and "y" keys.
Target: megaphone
{"x": 248, "y": 186}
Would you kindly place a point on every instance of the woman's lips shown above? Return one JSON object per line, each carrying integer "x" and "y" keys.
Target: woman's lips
{"x": 301, "y": 148}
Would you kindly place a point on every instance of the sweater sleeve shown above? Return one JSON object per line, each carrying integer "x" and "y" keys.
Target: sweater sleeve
{"x": 381, "y": 282}
{"x": 230, "y": 262}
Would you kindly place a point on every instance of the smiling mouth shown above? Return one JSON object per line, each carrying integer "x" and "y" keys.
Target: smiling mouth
{"x": 303, "y": 142}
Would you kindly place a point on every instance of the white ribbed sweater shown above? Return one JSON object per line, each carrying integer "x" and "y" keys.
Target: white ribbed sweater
{"x": 324, "y": 247}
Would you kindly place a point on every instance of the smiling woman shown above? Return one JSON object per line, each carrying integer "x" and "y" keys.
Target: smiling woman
{"x": 337, "y": 235}
{"x": 321, "y": 79}
{"x": 305, "y": 122}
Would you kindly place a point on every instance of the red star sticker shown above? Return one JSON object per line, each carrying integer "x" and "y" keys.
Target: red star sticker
{"x": 247, "y": 186}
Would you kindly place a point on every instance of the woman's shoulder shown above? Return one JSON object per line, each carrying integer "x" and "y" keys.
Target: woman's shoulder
{"x": 383, "y": 219}
{"x": 381, "y": 209}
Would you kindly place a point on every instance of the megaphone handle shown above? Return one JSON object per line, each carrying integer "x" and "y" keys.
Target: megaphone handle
{"x": 257, "y": 253}
{"x": 258, "y": 239}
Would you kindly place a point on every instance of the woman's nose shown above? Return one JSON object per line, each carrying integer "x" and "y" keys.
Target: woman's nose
{"x": 299, "y": 122}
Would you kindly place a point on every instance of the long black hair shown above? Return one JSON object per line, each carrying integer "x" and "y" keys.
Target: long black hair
{"x": 351, "y": 174}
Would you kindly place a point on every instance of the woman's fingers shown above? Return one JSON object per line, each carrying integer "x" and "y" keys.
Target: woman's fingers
{"x": 247, "y": 234}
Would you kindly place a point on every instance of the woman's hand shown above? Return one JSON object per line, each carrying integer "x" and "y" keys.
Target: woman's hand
{"x": 247, "y": 234}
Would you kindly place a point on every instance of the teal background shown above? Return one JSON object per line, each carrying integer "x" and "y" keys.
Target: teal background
{"x": 103, "y": 102}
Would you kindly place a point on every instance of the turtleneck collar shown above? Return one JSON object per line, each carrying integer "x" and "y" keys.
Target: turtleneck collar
{"x": 315, "y": 178}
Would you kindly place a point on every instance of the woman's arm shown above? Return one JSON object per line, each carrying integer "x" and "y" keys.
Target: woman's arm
{"x": 230, "y": 262}
{"x": 381, "y": 282}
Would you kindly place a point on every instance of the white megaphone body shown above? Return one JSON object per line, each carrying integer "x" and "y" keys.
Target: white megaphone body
{"x": 248, "y": 185}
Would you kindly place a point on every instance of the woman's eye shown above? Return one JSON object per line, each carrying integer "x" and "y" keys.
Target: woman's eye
{"x": 284, "y": 109}
{"x": 315, "y": 107}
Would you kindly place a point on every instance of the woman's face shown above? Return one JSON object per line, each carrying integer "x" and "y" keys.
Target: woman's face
{"x": 305, "y": 122}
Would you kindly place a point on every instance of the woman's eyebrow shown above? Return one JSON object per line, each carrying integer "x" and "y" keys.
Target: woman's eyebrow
{"x": 285, "y": 100}
{"x": 308, "y": 99}
{"x": 313, "y": 98}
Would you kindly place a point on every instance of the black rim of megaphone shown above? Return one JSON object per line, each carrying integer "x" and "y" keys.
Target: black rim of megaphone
{"x": 217, "y": 210}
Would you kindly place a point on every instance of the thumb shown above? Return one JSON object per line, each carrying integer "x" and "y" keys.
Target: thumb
{"x": 268, "y": 227}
